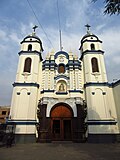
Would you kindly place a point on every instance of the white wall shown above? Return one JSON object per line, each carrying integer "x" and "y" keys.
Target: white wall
{"x": 116, "y": 93}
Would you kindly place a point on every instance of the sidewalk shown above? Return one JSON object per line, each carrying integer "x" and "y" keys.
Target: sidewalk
{"x": 61, "y": 151}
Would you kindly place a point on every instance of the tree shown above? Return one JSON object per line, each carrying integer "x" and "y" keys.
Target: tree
{"x": 111, "y": 6}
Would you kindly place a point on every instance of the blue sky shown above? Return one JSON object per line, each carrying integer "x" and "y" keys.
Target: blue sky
{"x": 17, "y": 20}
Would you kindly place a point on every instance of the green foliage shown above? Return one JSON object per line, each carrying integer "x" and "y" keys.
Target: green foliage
{"x": 111, "y": 6}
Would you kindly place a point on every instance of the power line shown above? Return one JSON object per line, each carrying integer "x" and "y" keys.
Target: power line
{"x": 39, "y": 22}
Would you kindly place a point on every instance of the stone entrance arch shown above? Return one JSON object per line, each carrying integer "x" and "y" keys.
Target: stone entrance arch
{"x": 61, "y": 122}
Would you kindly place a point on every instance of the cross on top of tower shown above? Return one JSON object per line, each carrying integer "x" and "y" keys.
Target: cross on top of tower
{"x": 88, "y": 28}
{"x": 34, "y": 28}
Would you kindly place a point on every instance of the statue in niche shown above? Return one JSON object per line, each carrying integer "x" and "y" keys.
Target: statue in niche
{"x": 61, "y": 87}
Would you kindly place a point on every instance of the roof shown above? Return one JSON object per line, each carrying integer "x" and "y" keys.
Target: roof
{"x": 32, "y": 36}
{"x": 89, "y": 35}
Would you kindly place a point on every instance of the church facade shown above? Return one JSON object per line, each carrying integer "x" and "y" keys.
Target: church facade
{"x": 64, "y": 97}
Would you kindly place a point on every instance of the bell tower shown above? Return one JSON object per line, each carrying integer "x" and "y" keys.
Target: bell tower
{"x": 99, "y": 96}
{"x": 92, "y": 56}
{"x": 26, "y": 88}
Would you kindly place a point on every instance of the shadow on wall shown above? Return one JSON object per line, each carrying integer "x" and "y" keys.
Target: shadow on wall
{"x": 100, "y": 130}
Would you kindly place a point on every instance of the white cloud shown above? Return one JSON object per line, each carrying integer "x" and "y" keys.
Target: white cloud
{"x": 111, "y": 39}
{"x": 74, "y": 15}
{"x": 14, "y": 37}
{"x": 77, "y": 17}
{"x": 116, "y": 60}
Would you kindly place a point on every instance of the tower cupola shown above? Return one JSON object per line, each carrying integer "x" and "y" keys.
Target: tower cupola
{"x": 32, "y": 43}
{"x": 90, "y": 43}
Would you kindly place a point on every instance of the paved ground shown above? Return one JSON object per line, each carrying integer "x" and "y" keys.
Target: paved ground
{"x": 61, "y": 151}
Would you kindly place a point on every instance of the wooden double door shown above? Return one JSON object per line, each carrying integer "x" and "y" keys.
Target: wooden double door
{"x": 61, "y": 129}
{"x": 61, "y": 123}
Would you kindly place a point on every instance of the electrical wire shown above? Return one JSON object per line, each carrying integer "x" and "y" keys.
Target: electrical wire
{"x": 39, "y": 22}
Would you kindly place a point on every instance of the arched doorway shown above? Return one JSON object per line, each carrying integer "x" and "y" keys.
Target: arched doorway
{"x": 61, "y": 122}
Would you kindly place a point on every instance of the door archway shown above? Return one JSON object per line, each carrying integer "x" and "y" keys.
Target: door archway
{"x": 61, "y": 122}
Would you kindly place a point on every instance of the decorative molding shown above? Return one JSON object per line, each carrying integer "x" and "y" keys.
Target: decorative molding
{"x": 35, "y": 41}
{"x": 43, "y": 91}
{"x": 115, "y": 83}
{"x": 30, "y": 53}
{"x": 54, "y": 101}
{"x": 30, "y": 41}
{"x": 22, "y": 122}
{"x": 76, "y": 91}
{"x": 61, "y": 93}
{"x": 90, "y": 35}
{"x": 96, "y": 84}
{"x": 61, "y": 76}
{"x": 92, "y": 40}
{"x": 32, "y": 36}
{"x": 101, "y": 122}
{"x": 26, "y": 84}
{"x": 62, "y": 52}
{"x": 91, "y": 52}
{"x": 102, "y": 84}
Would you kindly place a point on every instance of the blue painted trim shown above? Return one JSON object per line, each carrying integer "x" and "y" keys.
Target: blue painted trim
{"x": 26, "y": 84}
{"x": 61, "y": 76}
{"x": 76, "y": 91}
{"x": 61, "y": 93}
{"x": 116, "y": 83}
{"x": 31, "y": 42}
{"x": 91, "y": 52}
{"x": 87, "y": 40}
{"x": 31, "y": 36}
{"x": 102, "y": 84}
{"x": 22, "y": 122}
{"x": 48, "y": 64}
{"x": 74, "y": 62}
{"x": 96, "y": 84}
{"x": 101, "y": 122}
{"x": 90, "y": 35}
{"x": 62, "y": 52}
{"x": 30, "y": 53}
{"x": 47, "y": 91}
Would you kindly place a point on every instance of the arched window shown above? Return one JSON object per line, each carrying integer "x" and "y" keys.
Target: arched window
{"x": 94, "y": 62}
{"x": 61, "y": 68}
{"x": 30, "y": 47}
{"x": 27, "y": 65}
{"x": 92, "y": 46}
